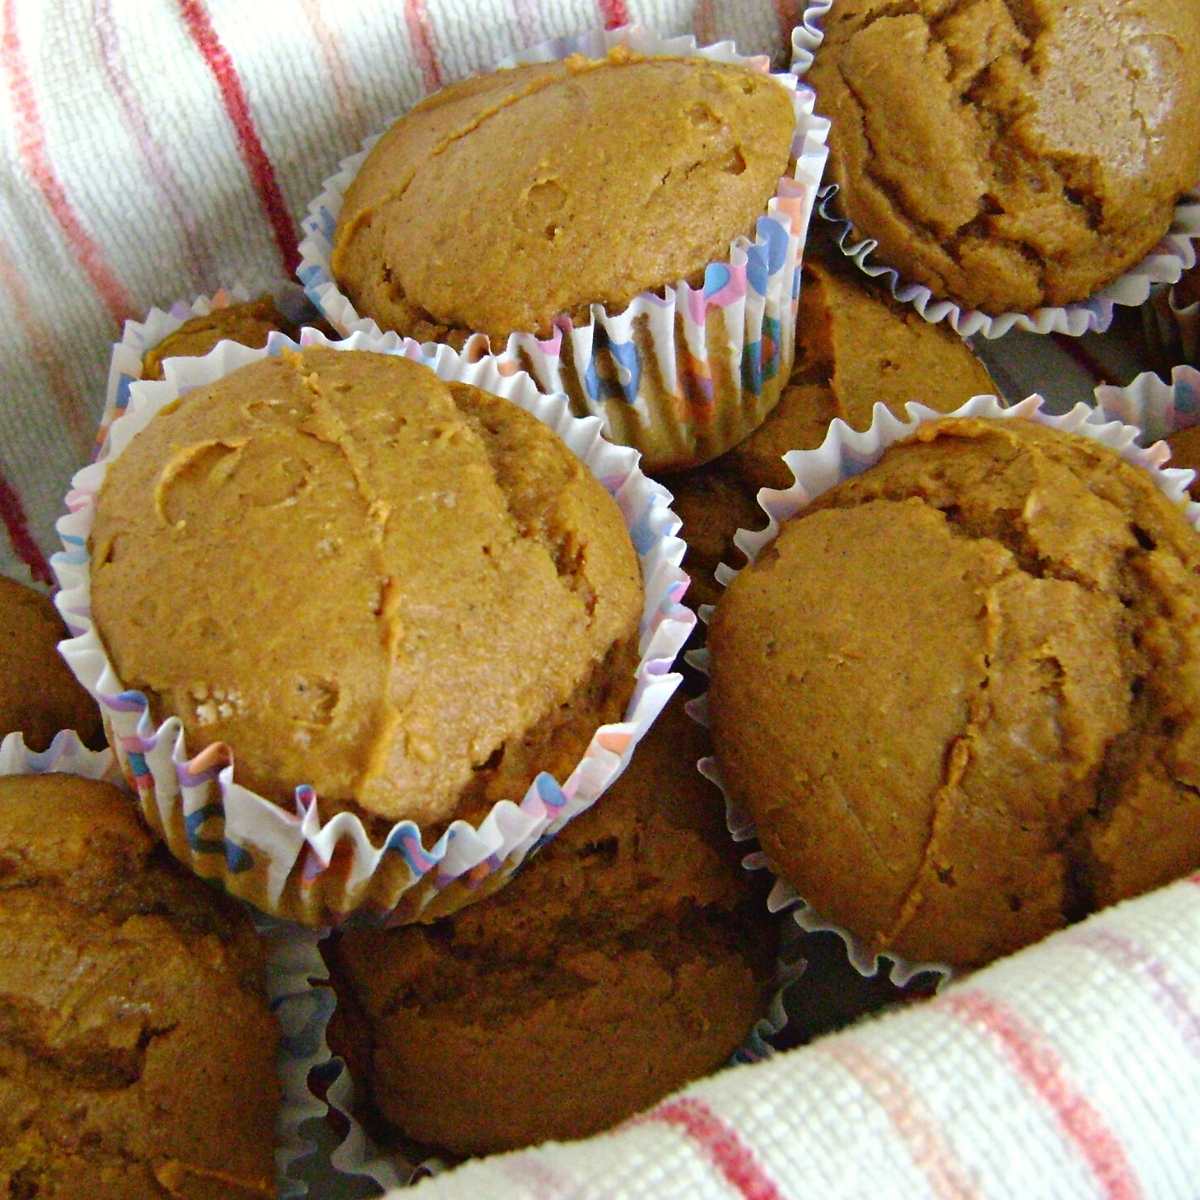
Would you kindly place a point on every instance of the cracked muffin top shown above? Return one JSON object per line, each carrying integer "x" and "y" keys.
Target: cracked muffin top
{"x": 960, "y": 693}
{"x": 1010, "y": 154}
{"x": 633, "y": 953}
{"x": 507, "y": 199}
{"x": 38, "y": 694}
{"x": 406, "y": 593}
{"x": 137, "y": 1051}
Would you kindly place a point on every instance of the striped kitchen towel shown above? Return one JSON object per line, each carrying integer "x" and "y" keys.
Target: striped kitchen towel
{"x": 154, "y": 150}
{"x": 1070, "y": 1071}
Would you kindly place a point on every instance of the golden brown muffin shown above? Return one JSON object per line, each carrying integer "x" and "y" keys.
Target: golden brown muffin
{"x": 38, "y": 694}
{"x": 137, "y": 1051}
{"x": 1185, "y": 452}
{"x": 409, "y": 594}
{"x": 509, "y": 198}
{"x": 249, "y": 323}
{"x": 631, "y": 955}
{"x": 855, "y": 347}
{"x": 1006, "y": 155}
{"x": 960, "y": 696}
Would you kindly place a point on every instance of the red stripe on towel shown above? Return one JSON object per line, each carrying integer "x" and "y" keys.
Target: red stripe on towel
{"x": 35, "y": 158}
{"x": 420, "y": 33}
{"x": 736, "y": 1161}
{"x": 19, "y": 537}
{"x": 237, "y": 107}
{"x": 614, "y": 13}
{"x": 1038, "y": 1064}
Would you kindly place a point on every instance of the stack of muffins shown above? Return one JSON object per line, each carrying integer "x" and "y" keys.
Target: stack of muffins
{"x": 954, "y": 691}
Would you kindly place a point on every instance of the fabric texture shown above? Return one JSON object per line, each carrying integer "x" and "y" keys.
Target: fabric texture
{"x": 155, "y": 150}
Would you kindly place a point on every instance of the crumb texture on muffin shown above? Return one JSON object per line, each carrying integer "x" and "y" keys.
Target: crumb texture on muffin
{"x": 631, "y": 955}
{"x": 409, "y": 594}
{"x": 507, "y": 199}
{"x": 959, "y": 693}
{"x": 1010, "y": 154}
{"x": 137, "y": 1050}
{"x": 38, "y": 694}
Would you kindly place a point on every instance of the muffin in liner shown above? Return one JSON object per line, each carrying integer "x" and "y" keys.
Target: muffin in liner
{"x": 139, "y": 337}
{"x": 1157, "y": 407}
{"x": 291, "y": 862}
{"x": 1172, "y": 328}
{"x": 289, "y": 957}
{"x": 651, "y": 371}
{"x": 1174, "y": 253}
{"x": 845, "y": 453}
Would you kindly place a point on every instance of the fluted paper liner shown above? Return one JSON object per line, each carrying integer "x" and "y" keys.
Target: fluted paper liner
{"x": 662, "y": 363}
{"x": 1157, "y": 407}
{"x": 1174, "y": 253}
{"x": 845, "y": 453}
{"x": 288, "y": 860}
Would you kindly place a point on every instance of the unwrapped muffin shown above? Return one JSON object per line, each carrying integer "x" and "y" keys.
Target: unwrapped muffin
{"x": 1009, "y": 157}
{"x": 137, "y": 1051}
{"x": 515, "y": 202}
{"x": 38, "y": 694}
{"x": 855, "y": 347}
{"x": 631, "y": 955}
{"x": 406, "y": 593}
{"x": 960, "y": 695}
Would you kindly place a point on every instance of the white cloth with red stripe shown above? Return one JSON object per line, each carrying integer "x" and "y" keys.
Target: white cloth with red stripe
{"x": 152, "y": 152}
{"x": 1069, "y": 1071}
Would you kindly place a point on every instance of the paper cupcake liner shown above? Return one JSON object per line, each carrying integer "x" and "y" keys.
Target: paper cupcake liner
{"x": 67, "y": 755}
{"x": 663, "y": 363}
{"x": 138, "y": 337}
{"x": 1172, "y": 330}
{"x": 359, "y": 1156}
{"x": 1158, "y": 408}
{"x": 1174, "y": 253}
{"x": 288, "y": 861}
{"x": 845, "y": 453}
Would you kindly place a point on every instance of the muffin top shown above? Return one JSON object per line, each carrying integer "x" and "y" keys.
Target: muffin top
{"x": 507, "y": 199}
{"x": 38, "y": 694}
{"x": 632, "y": 952}
{"x": 959, "y": 693}
{"x": 136, "y": 1046}
{"x": 1185, "y": 452}
{"x": 250, "y": 323}
{"x": 1011, "y": 156}
{"x": 409, "y": 594}
{"x": 855, "y": 347}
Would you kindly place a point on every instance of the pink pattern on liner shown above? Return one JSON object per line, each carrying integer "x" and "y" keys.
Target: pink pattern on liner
{"x": 720, "y": 1141}
{"x": 1035, "y": 1061}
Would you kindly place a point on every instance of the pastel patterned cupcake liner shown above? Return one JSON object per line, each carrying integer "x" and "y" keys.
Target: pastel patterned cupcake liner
{"x": 286, "y": 987}
{"x": 1157, "y": 407}
{"x": 662, "y": 362}
{"x": 360, "y": 1156}
{"x": 845, "y": 453}
{"x": 138, "y": 337}
{"x": 1172, "y": 329}
{"x": 288, "y": 860}
{"x": 1174, "y": 253}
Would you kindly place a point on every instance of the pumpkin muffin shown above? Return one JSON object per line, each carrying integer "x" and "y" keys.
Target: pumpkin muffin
{"x": 960, "y": 693}
{"x": 137, "y": 1050}
{"x": 38, "y": 694}
{"x": 511, "y": 199}
{"x": 1185, "y": 452}
{"x": 1010, "y": 156}
{"x": 249, "y": 323}
{"x": 632, "y": 955}
{"x": 406, "y": 593}
{"x": 855, "y": 347}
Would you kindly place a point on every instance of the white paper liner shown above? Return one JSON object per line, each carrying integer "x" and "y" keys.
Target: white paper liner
{"x": 667, "y": 380}
{"x": 67, "y": 755}
{"x": 358, "y": 1155}
{"x": 1174, "y": 253}
{"x": 283, "y": 860}
{"x": 845, "y": 453}
{"x": 1157, "y": 407}
{"x": 1173, "y": 328}
{"x": 138, "y": 337}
